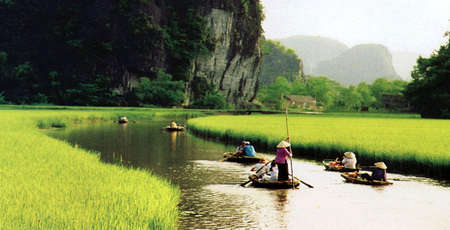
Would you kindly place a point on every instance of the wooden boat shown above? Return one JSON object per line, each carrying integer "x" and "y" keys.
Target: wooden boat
{"x": 330, "y": 166}
{"x": 356, "y": 179}
{"x": 229, "y": 156}
{"x": 122, "y": 120}
{"x": 260, "y": 183}
{"x": 178, "y": 128}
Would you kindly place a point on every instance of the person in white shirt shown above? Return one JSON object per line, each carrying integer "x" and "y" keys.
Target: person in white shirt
{"x": 349, "y": 161}
{"x": 268, "y": 171}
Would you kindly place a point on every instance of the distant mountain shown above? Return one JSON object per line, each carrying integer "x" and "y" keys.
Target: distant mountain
{"x": 365, "y": 62}
{"x": 404, "y": 63}
{"x": 313, "y": 49}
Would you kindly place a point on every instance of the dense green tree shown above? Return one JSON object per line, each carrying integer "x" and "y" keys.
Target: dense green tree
{"x": 382, "y": 86}
{"x": 2, "y": 98}
{"x": 272, "y": 95}
{"x": 351, "y": 99}
{"x": 56, "y": 51}
{"x": 367, "y": 99}
{"x": 429, "y": 92}
{"x": 161, "y": 92}
{"x": 299, "y": 87}
{"x": 323, "y": 89}
{"x": 329, "y": 93}
{"x": 212, "y": 99}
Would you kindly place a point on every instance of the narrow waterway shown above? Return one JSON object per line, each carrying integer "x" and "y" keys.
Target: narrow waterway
{"x": 212, "y": 198}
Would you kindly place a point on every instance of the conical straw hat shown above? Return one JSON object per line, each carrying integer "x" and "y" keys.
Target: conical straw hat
{"x": 349, "y": 155}
{"x": 283, "y": 144}
{"x": 380, "y": 165}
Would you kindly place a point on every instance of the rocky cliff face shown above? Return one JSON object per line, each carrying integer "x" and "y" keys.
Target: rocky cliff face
{"x": 95, "y": 51}
{"x": 314, "y": 49}
{"x": 231, "y": 66}
{"x": 233, "y": 61}
{"x": 170, "y": 37}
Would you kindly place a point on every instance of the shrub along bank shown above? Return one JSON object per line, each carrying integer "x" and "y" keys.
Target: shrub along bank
{"x": 49, "y": 184}
{"x": 409, "y": 145}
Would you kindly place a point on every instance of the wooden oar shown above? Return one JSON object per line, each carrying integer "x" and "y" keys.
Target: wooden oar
{"x": 245, "y": 183}
{"x": 398, "y": 179}
{"x": 303, "y": 182}
{"x": 364, "y": 167}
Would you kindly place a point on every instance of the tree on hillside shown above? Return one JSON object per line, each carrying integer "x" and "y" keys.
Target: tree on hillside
{"x": 272, "y": 94}
{"x": 429, "y": 92}
{"x": 278, "y": 61}
{"x": 323, "y": 89}
{"x": 367, "y": 99}
{"x": 382, "y": 86}
{"x": 299, "y": 87}
{"x": 161, "y": 92}
{"x": 212, "y": 99}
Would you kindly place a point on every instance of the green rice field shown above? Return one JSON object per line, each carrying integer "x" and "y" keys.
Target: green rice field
{"x": 49, "y": 184}
{"x": 404, "y": 142}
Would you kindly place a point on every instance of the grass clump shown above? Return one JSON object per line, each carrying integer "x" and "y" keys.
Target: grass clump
{"x": 49, "y": 184}
{"x": 412, "y": 145}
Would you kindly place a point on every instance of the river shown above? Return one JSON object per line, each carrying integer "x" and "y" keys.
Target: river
{"x": 211, "y": 197}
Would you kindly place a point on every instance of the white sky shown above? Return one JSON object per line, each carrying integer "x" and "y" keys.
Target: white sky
{"x": 402, "y": 25}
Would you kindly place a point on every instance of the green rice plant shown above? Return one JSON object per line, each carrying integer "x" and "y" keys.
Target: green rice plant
{"x": 420, "y": 146}
{"x": 49, "y": 184}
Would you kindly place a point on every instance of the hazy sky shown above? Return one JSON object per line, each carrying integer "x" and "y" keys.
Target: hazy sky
{"x": 402, "y": 25}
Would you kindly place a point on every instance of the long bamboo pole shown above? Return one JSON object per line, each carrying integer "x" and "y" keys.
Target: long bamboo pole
{"x": 290, "y": 148}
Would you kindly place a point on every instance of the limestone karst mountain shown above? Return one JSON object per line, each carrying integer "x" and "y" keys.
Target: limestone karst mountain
{"x": 365, "y": 62}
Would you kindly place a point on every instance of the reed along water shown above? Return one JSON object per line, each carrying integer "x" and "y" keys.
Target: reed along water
{"x": 211, "y": 197}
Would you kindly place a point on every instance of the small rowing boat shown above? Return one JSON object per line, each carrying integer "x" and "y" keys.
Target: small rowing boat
{"x": 229, "y": 156}
{"x": 122, "y": 120}
{"x": 178, "y": 128}
{"x": 332, "y": 165}
{"x": 263, "y": 183}
{"x": 356, "y": 179}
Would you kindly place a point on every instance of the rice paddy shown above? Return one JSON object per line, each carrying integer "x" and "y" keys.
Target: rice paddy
{"x": 404, "y": 143}
{"x": 49, "y": 184}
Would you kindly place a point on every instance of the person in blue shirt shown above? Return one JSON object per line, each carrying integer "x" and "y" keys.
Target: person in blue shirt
{"x": 239, "y": 148}
{"x": 247, "y": 150}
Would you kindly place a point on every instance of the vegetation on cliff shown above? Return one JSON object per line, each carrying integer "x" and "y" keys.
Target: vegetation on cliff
{"x": 279, "y": 61}
{"x": 92, "y": 52}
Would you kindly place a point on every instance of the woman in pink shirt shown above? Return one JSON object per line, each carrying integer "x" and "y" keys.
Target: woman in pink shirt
{"x": 281, "y": 159}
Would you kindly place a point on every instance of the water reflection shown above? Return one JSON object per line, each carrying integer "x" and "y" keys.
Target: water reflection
{"x": 173, "y": 141}
{"x": 212, "y": 198}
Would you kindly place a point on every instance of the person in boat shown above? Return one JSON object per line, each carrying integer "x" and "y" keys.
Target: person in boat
{"x": 349, "y": 161}
{"x": 266, "y": 171}
{"x": 378, "y": 172}
{"x": 173, "y": 124}
{"x": 281, "y": 159}
{"x": 247, "y": 150}
{"x": 123, "y": 119}
{"x": 239, "y": 148}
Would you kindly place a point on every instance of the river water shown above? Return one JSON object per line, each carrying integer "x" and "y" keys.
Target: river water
{"x": 211, "y": 197}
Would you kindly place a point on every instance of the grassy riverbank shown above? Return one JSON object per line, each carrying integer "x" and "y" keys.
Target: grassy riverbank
{"x": 49, "y": 184}
{"x": 412, "y": 145}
